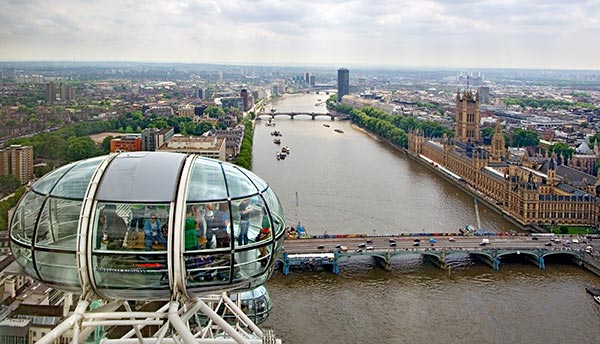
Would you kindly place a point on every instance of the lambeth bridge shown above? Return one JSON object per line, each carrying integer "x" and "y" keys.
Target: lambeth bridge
{"x": 327, "y": 252}
{"x": 313, "y": 115}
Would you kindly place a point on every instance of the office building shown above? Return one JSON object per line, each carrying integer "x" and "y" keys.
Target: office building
{"x": 127, "y": 143}
{"x": 153, "y": 138}
{"x": 245, "y": 100}
{"x": 343, "y": 83}
{"x": 483, "y": 93}
{"x": 209, "y": 147}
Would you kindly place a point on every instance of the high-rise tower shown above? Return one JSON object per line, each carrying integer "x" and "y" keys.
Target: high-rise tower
{"x": 467, "y": 117}
{"x": 343, "y": 83}
{"x": 50, "y": 92}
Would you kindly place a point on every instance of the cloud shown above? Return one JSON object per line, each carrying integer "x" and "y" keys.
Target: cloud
{"x": 422, "y": 32}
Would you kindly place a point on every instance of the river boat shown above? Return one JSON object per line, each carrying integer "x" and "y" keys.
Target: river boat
{"x": 326, "y": 125}
{"x": 277, "y": 141}
{"x": 276, "y": 133}
{"x": 338, "y": 131}
{"x": 597, "y": 299}
{"x": 280, "y": 155}
{"x": 285, "y": 150}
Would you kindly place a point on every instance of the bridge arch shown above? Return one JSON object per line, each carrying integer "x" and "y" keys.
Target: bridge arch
{"x": 557, "y": 253}
{"x": 433, "y": 255}
{"x": 518, "y": 253}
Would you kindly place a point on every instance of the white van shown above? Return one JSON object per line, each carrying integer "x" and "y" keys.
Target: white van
{"x": 484, "y": 242}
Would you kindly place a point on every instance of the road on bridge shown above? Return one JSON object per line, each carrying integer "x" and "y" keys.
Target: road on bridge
{"x": 384, "y": 243}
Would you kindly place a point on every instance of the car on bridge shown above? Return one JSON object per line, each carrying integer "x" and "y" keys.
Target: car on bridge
{"x": 392, "y": 243}
{"x": 369, "y": 241}
{"x": 391, "y": 240}
{"x": 549, "y": 243}
{"x": 362, "y": 245}
{"x": 320, "y": 247}
{"x": 369, "y": 248}
{"x": 417, "y": 240}
{"x": 451, "y": 239}
{"x": 415, "y": 243}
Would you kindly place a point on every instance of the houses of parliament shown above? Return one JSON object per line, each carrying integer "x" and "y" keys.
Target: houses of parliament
{"x": 533, "y": 191}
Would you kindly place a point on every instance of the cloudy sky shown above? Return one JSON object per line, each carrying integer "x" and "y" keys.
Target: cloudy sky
{"x": 427, "y": 33}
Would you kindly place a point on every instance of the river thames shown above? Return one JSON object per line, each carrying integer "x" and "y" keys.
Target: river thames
{"x": 352, "y": 183}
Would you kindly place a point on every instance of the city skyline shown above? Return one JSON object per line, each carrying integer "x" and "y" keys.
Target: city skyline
{"x": 479, "y": 34}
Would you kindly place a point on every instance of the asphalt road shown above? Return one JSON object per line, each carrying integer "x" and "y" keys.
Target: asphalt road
{"x": 298, "y": 246}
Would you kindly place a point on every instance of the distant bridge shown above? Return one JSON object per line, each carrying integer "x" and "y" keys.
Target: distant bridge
{"x": 323, "y": 252}
{"x": 313, "y": 115}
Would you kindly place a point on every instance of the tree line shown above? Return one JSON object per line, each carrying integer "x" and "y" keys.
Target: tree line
{"x": 546, "y": 104}
{"x": 72, "y": 142}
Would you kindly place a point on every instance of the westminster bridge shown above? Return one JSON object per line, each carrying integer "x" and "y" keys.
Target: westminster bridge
{"x": 328, "y": 252}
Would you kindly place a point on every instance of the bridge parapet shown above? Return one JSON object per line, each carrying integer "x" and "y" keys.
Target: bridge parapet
{"x": 438, "y": 256}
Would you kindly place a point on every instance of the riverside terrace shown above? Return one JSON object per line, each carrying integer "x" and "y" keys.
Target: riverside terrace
{"x": 488, "y": 249}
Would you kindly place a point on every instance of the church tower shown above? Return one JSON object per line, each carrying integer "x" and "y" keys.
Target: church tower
{"x": 467, "y": 117}
{"x": 498, "y": 150}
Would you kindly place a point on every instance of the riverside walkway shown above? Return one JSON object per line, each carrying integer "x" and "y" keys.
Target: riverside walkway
{"x": 328, "y": 252}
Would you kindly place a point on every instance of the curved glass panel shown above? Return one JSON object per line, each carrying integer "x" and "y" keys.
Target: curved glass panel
{"x": 247, "y": 220}
{"x": 204, "y": 270}
{"x": 141, "y": 177}
{"x": 260, "y": 184}
{"x": 56, "y": 268}
{"x": 250, "y": 263}
{"x": 23, "y": 257}
{"x": 129, "y": 247}
{"x": 25, "y": 217}
{"x": 206, "y": 181}
{"x": 46, "y": 183}
{"x": 276, "y": 210}
{"x": 207, "y": 226}
{"x": 75, "y": 182}
{"x": 237, "y": 183}
{"x": 57, "y": 227}
{"x": 141, "y": 275}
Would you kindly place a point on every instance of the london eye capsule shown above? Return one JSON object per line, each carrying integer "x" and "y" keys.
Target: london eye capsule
{"x": 146, "y": 225}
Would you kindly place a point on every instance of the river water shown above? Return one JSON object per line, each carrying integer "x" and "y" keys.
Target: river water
{"x": 352, "y": 183}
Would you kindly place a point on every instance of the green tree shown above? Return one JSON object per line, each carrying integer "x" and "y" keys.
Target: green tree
{"x": 563, "y": 150}
{"x": 8, "y": 184}
{"x": 487, "y": 132}
{"x": 78, "y": 148}
{"x": 105, "y": 146}
{"x": 214, "y": 111}
{"x": 525, "y": 138}
{"x": 563, "y": 229}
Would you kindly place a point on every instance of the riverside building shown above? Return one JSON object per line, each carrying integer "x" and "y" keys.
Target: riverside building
{"x": 531, "y": 190}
